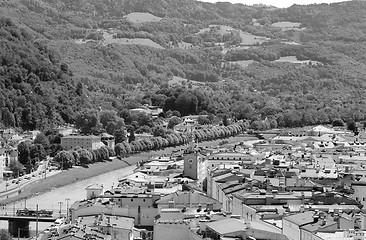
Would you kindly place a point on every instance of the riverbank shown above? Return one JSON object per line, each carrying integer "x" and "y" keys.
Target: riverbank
{"x": 79, "y": 173}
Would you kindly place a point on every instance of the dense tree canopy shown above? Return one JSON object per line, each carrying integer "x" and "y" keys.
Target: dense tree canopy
{"x": 47, "y": 79}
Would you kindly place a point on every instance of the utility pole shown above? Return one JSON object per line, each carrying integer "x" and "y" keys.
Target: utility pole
{"x": 45, "y": 168}
{"x": 67, "y": 208}
{"x": 60, "y": 203}
{"x": 36, "y": 221}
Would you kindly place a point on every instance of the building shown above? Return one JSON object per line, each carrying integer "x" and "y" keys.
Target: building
{"x": 152, "y": 111}
{"x": 89, "y": 142}
{"x": 195, "y": 164}
{"x": 99, "y": 226}
{"x": 234, "y": 160}
{"x": 239, "y": 228}
{"x": 108, "y": 140}
{"x": 188, "y": 199}
{"x": 65, "y": 130}
{"x": 7, "y": 156}
{"x": 93, "y": 191}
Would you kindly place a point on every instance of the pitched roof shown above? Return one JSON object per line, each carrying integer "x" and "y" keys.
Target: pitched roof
{"x": 301, "y": 218}
{"x": 226, "y": 226}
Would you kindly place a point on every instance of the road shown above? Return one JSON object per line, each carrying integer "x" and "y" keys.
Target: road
{"x": 12, "y": 187}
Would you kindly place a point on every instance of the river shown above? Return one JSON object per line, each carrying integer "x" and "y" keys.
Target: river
{"x": 56, "y": 198}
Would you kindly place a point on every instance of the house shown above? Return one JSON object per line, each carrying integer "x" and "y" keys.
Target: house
{"x": 107, "y": 139}
{"x": 152, "y": 111}
{"x": 93, "y": 191}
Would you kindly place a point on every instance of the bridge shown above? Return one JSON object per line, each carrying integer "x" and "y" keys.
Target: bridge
{"x": 28, "y": 218}
{"x": 18, "y": 224}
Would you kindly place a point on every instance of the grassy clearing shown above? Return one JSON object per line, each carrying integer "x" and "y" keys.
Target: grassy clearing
{"x": 139, "y": 17}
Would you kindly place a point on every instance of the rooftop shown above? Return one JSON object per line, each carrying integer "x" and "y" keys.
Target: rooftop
{"x": 226, "y": 226}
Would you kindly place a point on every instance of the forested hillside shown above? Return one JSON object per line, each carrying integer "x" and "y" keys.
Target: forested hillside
{"x": 60, "y": 57}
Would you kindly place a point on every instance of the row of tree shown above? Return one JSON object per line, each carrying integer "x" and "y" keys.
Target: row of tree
{"x": 175, "y": 138}
{"x": 82, "y": 157}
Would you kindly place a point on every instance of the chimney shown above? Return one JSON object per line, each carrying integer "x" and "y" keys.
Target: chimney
{"x": 209, "y": 206}
{"x": 199, "y": 208}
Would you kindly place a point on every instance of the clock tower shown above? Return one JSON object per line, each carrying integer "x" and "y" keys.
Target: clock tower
{"x": 194, "y": 164}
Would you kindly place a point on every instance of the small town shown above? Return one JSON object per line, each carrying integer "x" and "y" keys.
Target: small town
{"x": 182, "y": 119}
{"x": 282, "y": 184}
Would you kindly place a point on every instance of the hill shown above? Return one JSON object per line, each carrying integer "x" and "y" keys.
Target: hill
{"x": 118, "y": 54}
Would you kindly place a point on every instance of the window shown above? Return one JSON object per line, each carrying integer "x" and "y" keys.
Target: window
{"x": 131, "y": 200}
{"x": 144, "y": 200}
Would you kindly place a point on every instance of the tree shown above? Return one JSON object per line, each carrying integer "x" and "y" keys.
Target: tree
{"x": 5, "y": 235}
{"x": 85, "y": 156}
{"x": 88, "y": 122}
{"x": 79, "y": 89}
{"x": 42, "y": 140}
{"x": 24, "y": 152}
{"x": 37, "y": 153}
{"x": 242, "y": 110}
{"x": 338, "y": 123}
{"x": 173, "y": 121}
{"x": 65, "y": 159}
{"x": 111, "y": 122}
{"x": 203, "y": 120}
{"x": 16, "y": 167}
{"x": 351, "y": 125}
{"x": 131, "y": 130}
{"x": 186, "y": 103}
{"x": 8, "y": 118}
{"x": 120, "y": 135}
{"x": 159, "y": 131}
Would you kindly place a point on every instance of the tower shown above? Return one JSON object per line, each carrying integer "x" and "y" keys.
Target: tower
{"x": 195, "y": 164}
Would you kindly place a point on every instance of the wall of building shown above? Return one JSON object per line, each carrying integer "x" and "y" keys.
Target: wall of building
{"x": 118, "y": 233}
{"x": 190, "y": 165}
{"x": 177, "y": 230}
{"x": 344, "y": 223}
{"x": 134, "y": 201}
{"x": 360, "y": 193}
{"x": 306, "y": 235}
{"x": 290, "y": 230}
{"x": 92, "y": 193}
{"x": 91, "y": 142}
{"x": 193, "y": 235}
{"x": 260, "y": 234}
{"x": 249, "y": 213}
{"x": 142, "y": 216}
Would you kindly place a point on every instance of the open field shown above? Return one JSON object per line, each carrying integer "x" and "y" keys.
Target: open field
{"x": 293, "y": 59}
{"x": 243, "y": 63}
{"x": 179, "y": 81}
{"x": 285, "y": 26}
{"x": 109, "y": 39}
{"x": 139, "y": 17}
{"x": 249, "y": 39}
